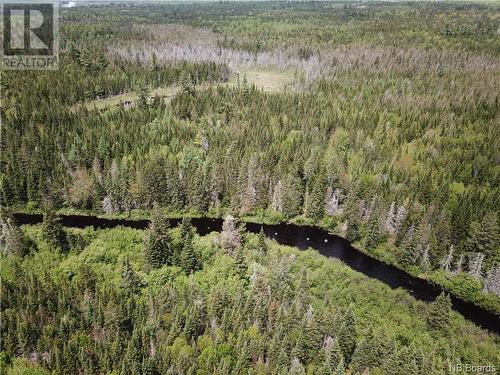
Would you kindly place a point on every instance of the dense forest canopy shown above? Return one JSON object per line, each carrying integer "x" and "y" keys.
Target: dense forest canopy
{"x": 167, "y": 301}
{"x": 377, "y": 121}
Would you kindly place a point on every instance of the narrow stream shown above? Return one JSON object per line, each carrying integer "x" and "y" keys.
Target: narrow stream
{"x": 303, "y": 237}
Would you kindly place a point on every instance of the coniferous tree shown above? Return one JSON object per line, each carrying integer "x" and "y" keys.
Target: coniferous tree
{"x": 373, "y": 232}
{"x": 340, "y": 368}
{"x": 186, "y": 228}
{"x": 368, "y": 353}
{"x": 352, "y": 233}
{"x": 189, "y": 256}
{"x": 53, "y": 232}
{"x": 312, "y": 336}
{"x": 262, "y": 244}
{"x": 157, "y": 242}
{"x": 12, "y": 239}
{"x": 407, "y": 256}
{"x": 196, "y": 190}
{"x": 130, "y": 280}
{"x": 291, "y": 195}
{"x": 484, "y": 237}
{"x": 316, "y": 199}
{"x": 149, "y": 367}
{"x": 348, "y": 335}
{"x": 241, "y": 263}
{"x": 440, "y": 313}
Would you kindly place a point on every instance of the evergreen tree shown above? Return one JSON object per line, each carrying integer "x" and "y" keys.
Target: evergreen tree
{"x": 189, "y": 256}
{"x": 282, "y": 361}
{"x": 184, "y": 101}
{"x": 440, "y": 313}
{"x": 340, "y": 368}
{"x": 372, "y": 232}
{"x": 312, "y": 336}
{"x": 130, "y": 280}
{"x": 149, "y": 367}
{"x": 262, "y": 244}
{"x": 484, "y": 237}
{"x": 292, "y": 191}
{"x": 330, "y": 356}
{"x": 53, "y": 232}
{"x": 186, "y": 228}
{"x": 157, "y": 242}
{"x": 196, "y": 190}
{"x": 407, "y": 255}
{"x": 352, "y": 233}
{"x": 348, "y": 335}
{"x": 368, "y": 353}
{"x": 12, "y": 239}
{"x": 240, "y": 263}
{"x": 316, "y": 199}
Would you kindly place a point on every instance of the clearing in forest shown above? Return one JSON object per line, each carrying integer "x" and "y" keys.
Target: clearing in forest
{"x": 126, "y": 98}
{"x": 266, "y": 79}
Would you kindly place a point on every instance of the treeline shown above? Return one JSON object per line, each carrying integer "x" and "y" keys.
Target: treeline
{"x": 246, "y": 306}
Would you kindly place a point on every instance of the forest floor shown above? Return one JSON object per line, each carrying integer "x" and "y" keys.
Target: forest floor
{"x": 266, "y": 79}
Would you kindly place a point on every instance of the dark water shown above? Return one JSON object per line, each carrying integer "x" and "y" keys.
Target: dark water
{"x": 304, "y": 237}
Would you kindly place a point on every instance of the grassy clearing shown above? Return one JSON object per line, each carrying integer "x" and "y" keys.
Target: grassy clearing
{"x": 266, "y": 79}
{"x": 115, "y": 100}
{"x": 111, "y": 101}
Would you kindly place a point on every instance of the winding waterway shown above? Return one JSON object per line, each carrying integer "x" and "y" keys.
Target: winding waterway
{"x": 303, "y": 237}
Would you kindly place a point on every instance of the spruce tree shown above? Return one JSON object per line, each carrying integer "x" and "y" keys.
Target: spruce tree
{"x": 13, "y": 240}
{"x": 352, "y": 233}
{"x": 348, "y": 335}
{"x": 241, "y": 263}
{"x": 130, "y": 281}
{"x": 407, "y": 256}
{"x": 189, "y": 256}
{"x": 196, "y": 190}
{"x": 312, "y": 335}
{"x": 282, "y": 360}
{"x": 325, "y": 368}
{"x": 315, "y": 208}
{"x": 157, "y": 241}
{"x": 484, "y": 236}
{"x": 340, "y": 368}
{"x": 440, "y": 313}
{"x": 292, "y": 194}
{"x": 262, "y": 244}
{"x": 149, "y": 367}
{"x": 186, "y": 228}
{"x": 330, "y": 354}
{"x": 372, "y": 232}
{"x": 53, "y": 232}
{"x": 367, "y": 354}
